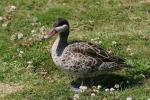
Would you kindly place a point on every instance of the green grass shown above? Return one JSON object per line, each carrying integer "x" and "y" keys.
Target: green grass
{"x": 124, "y": 21}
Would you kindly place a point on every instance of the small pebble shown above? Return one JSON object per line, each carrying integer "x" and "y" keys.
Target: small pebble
{"x": 131, "y": 54}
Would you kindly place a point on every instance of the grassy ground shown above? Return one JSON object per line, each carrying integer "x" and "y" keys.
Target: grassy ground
{"x": 123, "y": 27}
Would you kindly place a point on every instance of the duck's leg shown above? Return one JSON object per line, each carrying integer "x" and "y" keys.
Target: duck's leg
{"x": 75, "y": 85}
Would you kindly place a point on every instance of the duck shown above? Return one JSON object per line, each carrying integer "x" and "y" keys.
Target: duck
{"x": 81, "y": 59}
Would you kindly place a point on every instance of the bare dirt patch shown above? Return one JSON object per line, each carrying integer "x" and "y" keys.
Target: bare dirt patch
{"x": 6, "y": 89}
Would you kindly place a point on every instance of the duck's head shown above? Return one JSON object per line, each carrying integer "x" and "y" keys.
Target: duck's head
{"x": 60, "y": 26}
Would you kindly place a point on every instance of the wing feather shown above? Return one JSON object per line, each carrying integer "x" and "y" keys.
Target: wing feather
{"x": 87, "y": 54}
{"x": 86, "y": 57}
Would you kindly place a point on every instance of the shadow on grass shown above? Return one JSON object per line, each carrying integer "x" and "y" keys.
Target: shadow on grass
{"x": 134, "y": 78}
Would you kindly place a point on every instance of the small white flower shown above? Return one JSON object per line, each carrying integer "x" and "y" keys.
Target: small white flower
{"x": 131, "y": 54}
{"x": 64, "y": 4}
{"x": 1, "y": 18}
{"x": 112, "y": 89}
{"x": 32, "y": 31}
{"x": 97, "y": 38}
{"x": 142, "y": 75}
{"x": 95, "y": 90}
{"x": 100, "y": 42}
{"x": 35, "y": 19}
{"x": 76, "y": 97}
{"x": 93, "y": 94}
{"x": 18, "y": 49}
{"x": 4, "y": 24}
{"x": 30, "y": 67}
{"x": 116, "y": 86}
{"x": 127, "y": 81}
{"x": 21, "y": 52}
{"x": 30, "y": 39}
{"x": 106, "y": 90}
{"x": 20, "y": 55}
{"x": 13, "y": 37}
{"x": 98, "y": 3}
{"x": 12, "y": 8}
{"x": 42, "y": 28}
{"x": 91, "y": 21}
{"x": 92, "y": 39}
{"x": 40, "y": 37}
{"x": 129, "y": 98}
{"x": 33, "y": 35}
{"x": 114, "y": 42}
{"x": 83, "y": 88}
{"x": 109, "y": 51}
{"x": 96, "y": 42}
{"x": 99, "y": 87}
{"x": 29, "y": 62}
{"x": 46, "y": 36}
{"x": 128, "y": 49}
{"x": 20, "y": 36}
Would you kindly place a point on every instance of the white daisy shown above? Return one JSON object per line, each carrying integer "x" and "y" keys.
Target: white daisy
{"x": 129, "y": 98}
{"x": 114, "y": 42}
{"x": 4, "y": 24}
{"x": 99, "y": 86}
{"x": 19, "y": 36}
{"x": 116, "y": 86}
{"x": 76, "y": 97}
{"x": 1, "y": 18}
{"x": 106, "y": 90}
{"x": 112, "y": 89}
{"x": 93, "y": 94}
{"x": 83, "y": 88}
{"x": 13, "y": 37}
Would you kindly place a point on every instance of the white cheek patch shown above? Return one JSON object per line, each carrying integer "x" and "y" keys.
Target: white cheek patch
{"x": 61, "y": 28}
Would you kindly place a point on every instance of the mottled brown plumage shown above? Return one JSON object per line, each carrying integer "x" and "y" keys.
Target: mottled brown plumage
{"x": 87, "y": 60}
{"x": 82, "y": 59}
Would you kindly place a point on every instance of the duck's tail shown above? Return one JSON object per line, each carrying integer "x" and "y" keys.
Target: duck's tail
{"x": 124, "y": 65}
{"x": 121, "y": 62}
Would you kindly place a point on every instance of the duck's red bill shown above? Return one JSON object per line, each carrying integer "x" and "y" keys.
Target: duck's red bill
{"x": 51, "y": 33}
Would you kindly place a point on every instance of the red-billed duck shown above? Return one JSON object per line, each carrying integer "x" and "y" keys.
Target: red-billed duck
{"x": 81, "y": 59}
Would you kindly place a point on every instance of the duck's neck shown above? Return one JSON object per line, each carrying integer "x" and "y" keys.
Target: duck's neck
{"x": 60, "y": 44}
